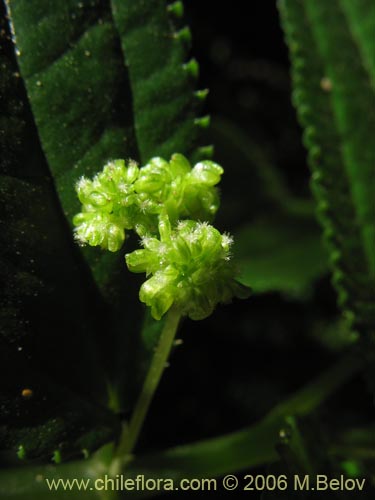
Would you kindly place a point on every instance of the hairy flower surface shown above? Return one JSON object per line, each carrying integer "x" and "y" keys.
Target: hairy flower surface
{"x": 181, "y": 190}
{"x": 124, "y": 197}
{"x": 190, "y": 269}
{"x": 109, "y": 206}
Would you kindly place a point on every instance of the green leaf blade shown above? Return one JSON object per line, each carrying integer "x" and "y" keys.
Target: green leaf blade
{"x": 354, "y": 117}
{"x": 360, "y": 16}
{"x": 331, "y": 92}
{"x": 81, "y": 101}
{"x": 165, "y": 106}
{"x": 281, "y": 253}
{"x": 45, "y": 322}
{"x": 77, "y": 95}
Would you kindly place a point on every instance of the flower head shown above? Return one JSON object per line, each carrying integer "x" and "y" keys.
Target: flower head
{"x": 190, "y": 268}
{"x": 124, "y": 197}
{"x": 181, "y": 190}
{"x": 109, "y": 206}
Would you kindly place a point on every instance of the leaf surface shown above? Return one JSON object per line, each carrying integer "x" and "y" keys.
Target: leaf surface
{"x": 332, "y": 53}
{"x": 281, "y": 252}
{"x": 161, "y": 78}
{"x": 52, "y": 391}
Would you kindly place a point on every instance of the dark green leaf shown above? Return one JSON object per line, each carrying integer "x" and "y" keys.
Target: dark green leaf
{"x": 162, "y": 83}
{"x": 77, "y": 86}
{"x": 51, "y": 383}
{"x": 332, "y": 52}
{"x": 281, "y": 252}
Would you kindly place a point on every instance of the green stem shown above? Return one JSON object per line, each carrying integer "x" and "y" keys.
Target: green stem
{"x": 131, "y": 433}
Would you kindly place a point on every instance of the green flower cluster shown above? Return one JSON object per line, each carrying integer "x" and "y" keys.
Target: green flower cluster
{"x": 190, "y": 267}
{"x": 123, "y": 197}
{"x": 109, "y": 206}
{"x": 187, "y": 262}
{"x": 183, "y": 191}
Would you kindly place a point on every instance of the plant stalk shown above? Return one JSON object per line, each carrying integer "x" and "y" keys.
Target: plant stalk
{"x": 131, "y": 432}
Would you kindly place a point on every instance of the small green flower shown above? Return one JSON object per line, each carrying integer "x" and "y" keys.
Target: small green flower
{"x": 190, "y": 268}
{"x": 109, "y": 206}
{"x": 179, "y": 189}
{"x": 99, "y": 229}
{"x": 111, "y": 189}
